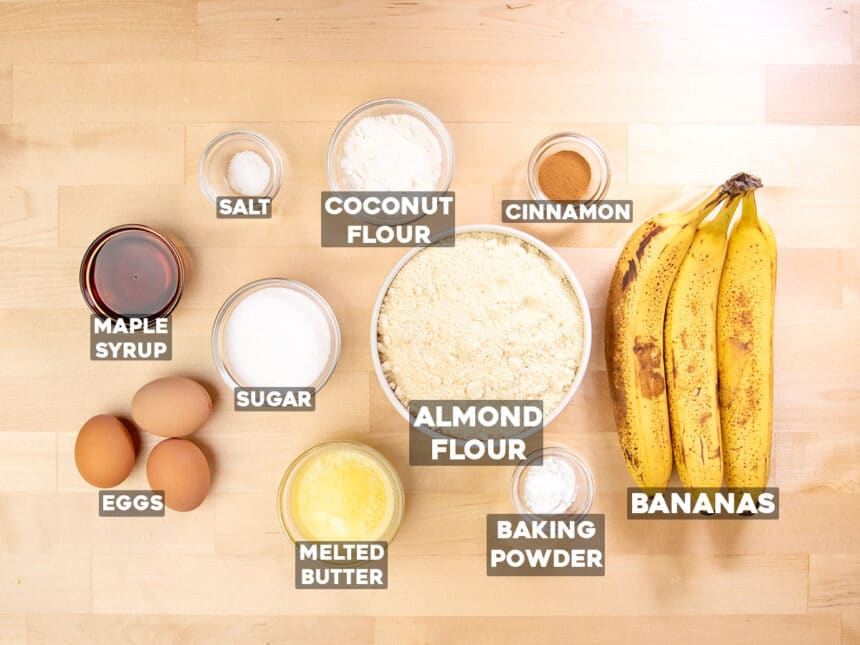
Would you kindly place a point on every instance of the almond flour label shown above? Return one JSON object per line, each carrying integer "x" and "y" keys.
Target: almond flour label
{"x": 386, "y": 219}
{"x": 558, "y": 545}
{"x": 473, "y": 433}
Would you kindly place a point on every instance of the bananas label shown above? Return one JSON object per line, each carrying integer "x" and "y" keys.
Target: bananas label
{"x": 703, "y": 504}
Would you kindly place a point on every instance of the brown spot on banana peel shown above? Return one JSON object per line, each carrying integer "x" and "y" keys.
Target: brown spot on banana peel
{"x": 651, "y": 381}
{"x": 629, "y": 275}
{"x": 646, "y": 240}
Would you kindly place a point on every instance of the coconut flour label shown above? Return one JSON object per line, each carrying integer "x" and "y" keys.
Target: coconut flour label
{"x": 384, "y": 219}
{"x": 557, "y": 545}
{"x": 473, "y": 433}
{"x": 341, "y": 565}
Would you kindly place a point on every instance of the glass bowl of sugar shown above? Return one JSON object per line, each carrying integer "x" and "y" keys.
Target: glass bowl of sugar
{"x": 390, "y": 145}
{"x": 240, "y": 163}
{"x": 275, "y": 333}
{"x": 551, "y": 481}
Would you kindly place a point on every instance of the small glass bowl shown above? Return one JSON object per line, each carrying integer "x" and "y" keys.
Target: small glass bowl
{"x": 217, "y": 155}
{"x": 584, "y": 496}
{"x": 579, "y": 143}
{"x": 382, "y": 107}
{"x": 219, "y": 327}
{"x": 172, "y": 256}
{"x": 285, "y": 489}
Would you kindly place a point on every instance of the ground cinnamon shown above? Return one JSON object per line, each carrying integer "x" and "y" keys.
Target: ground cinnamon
{"x": 564, "y": 176}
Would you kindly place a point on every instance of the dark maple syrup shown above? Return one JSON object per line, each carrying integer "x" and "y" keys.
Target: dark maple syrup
{"x": 132, "y": 271}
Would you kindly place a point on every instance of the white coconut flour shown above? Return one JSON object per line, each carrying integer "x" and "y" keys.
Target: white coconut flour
{"x": 490, "y": 318}
{"x": 395, "y": 152}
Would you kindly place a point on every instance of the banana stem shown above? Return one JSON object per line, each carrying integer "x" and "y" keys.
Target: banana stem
{"x": 740, "y": 184}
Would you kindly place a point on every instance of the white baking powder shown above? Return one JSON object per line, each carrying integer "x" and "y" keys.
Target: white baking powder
{"x": 395, "y": 152}
{"x": 277, "y": 337}
{"x": 248, "y": 173}
{"x": 550, "y": 487}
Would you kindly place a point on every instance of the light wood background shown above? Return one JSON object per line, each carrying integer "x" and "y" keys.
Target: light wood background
{"x": 105, "y": 108}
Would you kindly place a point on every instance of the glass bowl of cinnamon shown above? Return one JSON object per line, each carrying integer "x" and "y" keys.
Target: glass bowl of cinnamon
{"x": 568, "y": 166}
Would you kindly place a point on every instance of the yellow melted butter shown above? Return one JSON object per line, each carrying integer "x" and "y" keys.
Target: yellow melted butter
{"x": 342, "y": 493}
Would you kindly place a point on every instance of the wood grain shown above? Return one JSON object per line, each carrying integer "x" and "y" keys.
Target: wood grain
{"x": 105, "y": 108}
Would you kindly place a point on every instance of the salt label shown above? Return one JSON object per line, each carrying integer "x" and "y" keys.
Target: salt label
{"x": 243, "y": 207}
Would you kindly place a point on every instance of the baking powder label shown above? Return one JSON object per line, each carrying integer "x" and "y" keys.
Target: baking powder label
{"x": 555, "y": 545}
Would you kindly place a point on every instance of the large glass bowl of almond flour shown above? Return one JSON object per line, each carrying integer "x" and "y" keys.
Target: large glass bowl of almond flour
{"x": 497, "y": 316}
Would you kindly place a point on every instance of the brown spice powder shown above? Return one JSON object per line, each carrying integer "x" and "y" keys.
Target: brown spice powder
{"x": 564, "y": 176}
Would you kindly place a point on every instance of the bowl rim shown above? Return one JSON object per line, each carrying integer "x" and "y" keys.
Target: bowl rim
{"x": 553, "y": 450}
{"x": 425, "y": 113}
{"x": 239, "y": 294}
{"x": 92, "y": 251}
{"x": 267, "y": 144}
{"x": 504, "y": 230}
{"x": 544, "y": 144}
{"x": 394, "y": 476}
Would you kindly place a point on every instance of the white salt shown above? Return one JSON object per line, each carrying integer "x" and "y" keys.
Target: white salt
{"x": 248, "y": 173}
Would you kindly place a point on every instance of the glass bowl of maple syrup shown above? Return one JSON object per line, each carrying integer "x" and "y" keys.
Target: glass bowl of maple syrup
{"x": 132, "y": 271}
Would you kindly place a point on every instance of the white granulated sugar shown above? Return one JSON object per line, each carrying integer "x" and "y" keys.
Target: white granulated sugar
{"x": 248, "y": 173}
{"x": 395, "y": 152}
{"x": 277, "y": 337}
{"x": 550, "y": 487}
{"x": 490, "y": 318}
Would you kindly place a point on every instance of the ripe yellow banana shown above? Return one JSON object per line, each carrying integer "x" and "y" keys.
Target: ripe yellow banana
{"x": 745, "y": 349}
{"x": 691, "y": 355}
{"x": 635, "y": 313}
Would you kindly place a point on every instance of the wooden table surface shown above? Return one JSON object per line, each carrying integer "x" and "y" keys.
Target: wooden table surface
{"x": 105, "y": 108}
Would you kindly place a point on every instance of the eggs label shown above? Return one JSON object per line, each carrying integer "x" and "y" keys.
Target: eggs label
{"x": 131, "y": 503}
{"x": 341, "y": 565}
{"x": 272, "y": 399}
{"x": 474, "y": 432}
{"x": 134, "y": 339}
{"x": 243, "y": 207}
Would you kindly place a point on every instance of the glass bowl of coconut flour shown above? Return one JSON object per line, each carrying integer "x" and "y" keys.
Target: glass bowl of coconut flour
{"x": 391, "y": 145}
{"x": 275, "y": 333}
{"x": 551, "y": 481}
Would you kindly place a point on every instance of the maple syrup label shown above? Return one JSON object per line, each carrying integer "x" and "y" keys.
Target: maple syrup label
{"x": 131, "y": 339}
{"x": 243, "y": 207}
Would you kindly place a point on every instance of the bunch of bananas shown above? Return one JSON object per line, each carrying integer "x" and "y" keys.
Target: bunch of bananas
{"x": 689, "y": 344}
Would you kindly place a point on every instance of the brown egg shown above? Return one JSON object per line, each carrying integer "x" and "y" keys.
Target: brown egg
{"x": 179, "y": 468}
{"x": 173, "y": 406}
{"x": 104, "y": 451}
